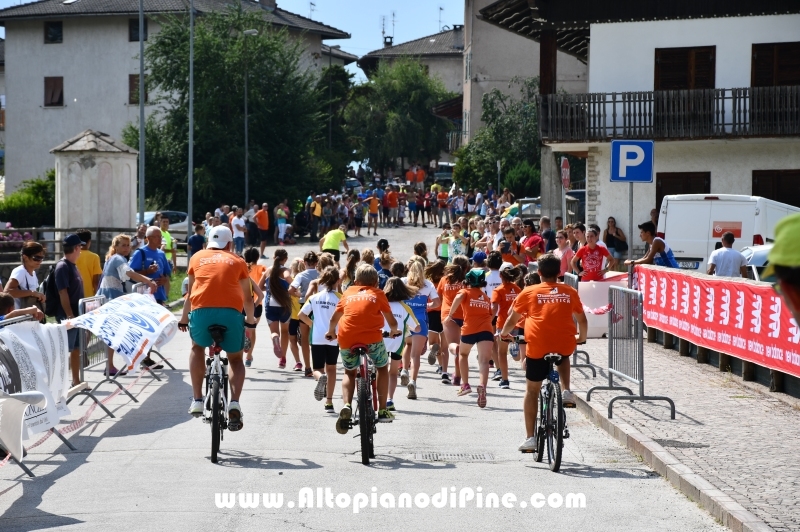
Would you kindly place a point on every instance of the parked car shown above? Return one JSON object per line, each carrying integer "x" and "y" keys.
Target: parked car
{"x": 178, "y": 223}
{"x": 444, "y": 174}
{"x": 352, "y": 186}
{"x": 756, "y": 260}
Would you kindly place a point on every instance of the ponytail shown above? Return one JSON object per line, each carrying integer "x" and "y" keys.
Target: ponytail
{"x": 276, "y": 289}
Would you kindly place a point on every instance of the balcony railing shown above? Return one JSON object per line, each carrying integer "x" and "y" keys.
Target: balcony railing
{"x": 453, "y": 140}
{"x": 670, "y": 115}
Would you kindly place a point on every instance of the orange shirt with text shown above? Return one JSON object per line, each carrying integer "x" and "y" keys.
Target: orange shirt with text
{"x": 216, "y": 279}
{"x": 448, "y": 293}
{"x": 549, "y": 325}
{"x": 362, "y": 321}
{"x": 504, "y": 296}
{"x": 477, "y": 310}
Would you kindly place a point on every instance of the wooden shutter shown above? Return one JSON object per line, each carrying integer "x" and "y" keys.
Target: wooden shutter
{"x": 668, "y": 183}
{"x": 778, "y": 185}
{"x": 54, "y": 92}
{"x": 685, "y": 68}
{"x": 775, "y": 64}
{"x": 702, "y": 66}
{"x": 133, "y": 89}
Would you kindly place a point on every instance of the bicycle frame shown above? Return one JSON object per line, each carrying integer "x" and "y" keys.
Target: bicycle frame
{"x": 215, "y": 370}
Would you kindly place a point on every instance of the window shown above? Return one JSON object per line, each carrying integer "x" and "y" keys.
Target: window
{"x": 133, "y": 90}
{"x": 684, "y": 68}
{"x": 778, "y": 185}
{"x": 775, "y": 64}
{"x": 133, "y": 29}
{"x": 681, "y": 183}
{"x": 54, "y": 92}
{"x": 468, "y": 67}
{"x": 53, "y": 32}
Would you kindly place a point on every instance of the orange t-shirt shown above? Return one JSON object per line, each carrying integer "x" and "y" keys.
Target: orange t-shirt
{"x": 410, "y": 176}
{"x": 549, "y": 326}
{"x": 509, "y": 257}
{"x": 421, "y": 175}
{"x": 216, "y": 279}
{"x": 362, "y": 322}
{"x": 256, "y": 273}
{"x": 374, "y": 205}
{"x": 504, "y": 295}
{"x": 448, "y": 293}
{"x": 391, "y": 199}
{"x": 477, "y": 310}
{"x": 262, "y": 219}
{"x": 442, "y": 198}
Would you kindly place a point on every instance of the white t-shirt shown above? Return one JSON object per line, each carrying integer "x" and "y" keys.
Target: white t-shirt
{"x": 322, "y": 305}
{"x": 248, "y": 216}
{"x": 728, "y": 262}
{"x": 26, "y": 281}
{"x": 406, "y": 322}
{"x": 238, "y": 227}
{"x": 493, "y": 280}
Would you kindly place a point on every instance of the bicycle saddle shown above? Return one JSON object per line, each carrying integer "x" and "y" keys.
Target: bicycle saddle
{"x": 552, "y": 357}
{"x": 217, "y": 332}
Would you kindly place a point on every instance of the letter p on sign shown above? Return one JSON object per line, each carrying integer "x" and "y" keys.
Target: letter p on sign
{"x": 632, "y": 161}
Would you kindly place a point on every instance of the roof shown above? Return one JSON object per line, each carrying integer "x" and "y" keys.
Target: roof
{"x": 445, "y": 43}
{"x": 85, "y": 8}
{"x": 572, "y": 18}
{"x": 339, "y": 54}
{"x": 91, "y": 140}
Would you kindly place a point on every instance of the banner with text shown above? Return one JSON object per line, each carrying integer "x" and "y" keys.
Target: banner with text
{"x": 131, "y": 325}
{"x": 733, "y": 316}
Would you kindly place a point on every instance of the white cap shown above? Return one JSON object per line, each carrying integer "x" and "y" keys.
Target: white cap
{"x": 219, "y": 237}
{"x": 505, "y": 266}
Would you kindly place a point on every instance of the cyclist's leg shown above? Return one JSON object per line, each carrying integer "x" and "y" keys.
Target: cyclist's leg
{"x": 350, "y": 363}
{"x": 199, "y": 320}
{"x": 484, "y": 355}
{"x": 197, "y": 370}
{"x": 530, "y": 406}
{"x": 377, "y": 352}
{"x": 563, "y": 373}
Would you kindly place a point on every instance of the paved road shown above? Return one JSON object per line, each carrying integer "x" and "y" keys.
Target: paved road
{"x": 149, "y": 469}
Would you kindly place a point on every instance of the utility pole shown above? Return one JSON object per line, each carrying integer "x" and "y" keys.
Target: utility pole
{"x": 189, "y": 203}
{"x": 141, "y": 111}
{"x": 330, "y": 95}
{"x": 246, "y": 33}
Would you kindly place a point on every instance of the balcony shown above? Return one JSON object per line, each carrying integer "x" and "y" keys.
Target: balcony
{"x": 453, "y": 140}
{"x": 670, "y": 115}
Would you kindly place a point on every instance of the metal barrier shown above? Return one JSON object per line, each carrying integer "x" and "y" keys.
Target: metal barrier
{"x": 626, "y": 347}
{"x": 141, "y": 288}
{"x": 572, "y": 280}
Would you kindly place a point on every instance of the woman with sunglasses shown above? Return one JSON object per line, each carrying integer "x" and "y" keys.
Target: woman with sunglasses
{"x": 612, "y": 235}
{"x": 23, "y": 282}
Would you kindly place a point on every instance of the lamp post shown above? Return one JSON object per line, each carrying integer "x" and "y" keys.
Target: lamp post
{"x": 246, "y": 33}
{"x": 330, "y": 94}
{"x": 189, "y": 203}
{"x": 141, "y": 111}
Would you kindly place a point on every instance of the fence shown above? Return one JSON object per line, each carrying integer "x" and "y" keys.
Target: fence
{"x": 626, "y": 347}
{"x": 572, "y": 280}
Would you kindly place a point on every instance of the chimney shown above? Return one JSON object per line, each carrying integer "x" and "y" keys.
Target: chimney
{"x": 458, "y": 37}
{"x": 387, "y": 41}
{"x": 269, "y": 3}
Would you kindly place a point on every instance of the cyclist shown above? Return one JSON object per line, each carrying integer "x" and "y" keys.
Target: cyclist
{"x": 360, "y": 316}
{"x": 218, "y": 290}
{"x": 398, "y": 293}
{"x": 549, "y": 309}
{"x": 424, "y": 298}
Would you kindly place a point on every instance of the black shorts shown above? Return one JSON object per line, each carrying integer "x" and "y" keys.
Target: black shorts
{"x": 536, "y": 369}
{"x": 435, "y": 321}
{"x": 397, "y": 356}
{"x": 322, "y": 355}
{"x": 334, "y": 252}
{"x": 428, "y": 209}
{"x": 359, "y": 222}
{"x": 263, "y": 235}
{"x": 483, "y": 336}
{"x": 258, "y": 310}
{"x": 294, "y": 326}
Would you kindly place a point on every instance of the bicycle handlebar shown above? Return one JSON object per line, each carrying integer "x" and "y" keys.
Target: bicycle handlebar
{"x": 520, "y": 339}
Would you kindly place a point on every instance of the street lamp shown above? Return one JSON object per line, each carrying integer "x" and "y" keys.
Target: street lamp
{"x": 190, "y": 199}
{"x": 246, "y": 33}
{"x": 330, "y": 94}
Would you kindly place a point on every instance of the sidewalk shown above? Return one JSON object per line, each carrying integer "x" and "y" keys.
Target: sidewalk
{"x": 740, "y": 438}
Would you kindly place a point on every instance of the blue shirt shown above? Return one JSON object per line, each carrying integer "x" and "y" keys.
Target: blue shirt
{"x": 67, "y": 276}
{"x": 383, "y": 277}
{"x": 380, "y": 192}
{"x": 143, "y": 258}
{"x": 195, "y": 244}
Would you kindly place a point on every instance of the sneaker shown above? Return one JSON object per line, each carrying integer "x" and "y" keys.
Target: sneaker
{"x": 276, "y": 347}
{"x": 248, "y": 363}
{"x": 404, "y": 378}
{"x": 498, "y": 375}
{"x": 375, "y": 234}
{"x": 528, "y": 445}
{"x": 439, "y": 370}
{"x": 343, "y": 423}
{"x": 322, "y": 387}
{"x": 456, "y": 381}
{"x": 148, "y": 362}
{"x": 505, "y": 385}
{"x": 412, "y": 390}
{"x": 567, "y": 399}
{"x": 282, "y": 363}
{"x": 466, "y": 389}
{"x": 446, "y": 379}
{"x": 114, "y": 372}
{"x": 390, "y": 406}
{"x": 308, "y": 373}
{"x": 434, "y": 350}
{"x": 384, "y": 416}
{"x": 481, "y": 396}
{"x": 298, "y": 367}
{"x": 234, "y": 416}
{"x": 196, "y": 408}
{"x": 329, "y": 408}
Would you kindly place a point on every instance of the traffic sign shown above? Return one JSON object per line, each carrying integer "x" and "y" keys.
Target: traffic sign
{"x": 632, "y": 161}
{"x": 565, "y": 173}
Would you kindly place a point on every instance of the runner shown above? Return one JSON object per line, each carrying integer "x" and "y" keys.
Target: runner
{"x": 502, "y": 298}
{"x": 449, "y": 285}
{"x": 434, "y": 273}
{"x": 297, "y": 267}
{"x": 348, "y": 273}
{"x": 279, "y": 307}
{"x": 425, "y": 297}
{"x": 256, "y": 272}
{"x": 374, "y": 204}
{"x": 385, "y": 272}
{"x": 398, "y": 293}
{"x": 298, "y": 289}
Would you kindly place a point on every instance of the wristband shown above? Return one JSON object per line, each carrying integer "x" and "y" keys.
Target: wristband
{"x": 250, "y": 325}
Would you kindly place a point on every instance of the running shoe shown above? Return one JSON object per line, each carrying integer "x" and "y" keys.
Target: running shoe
{"x": 276, "y": 347}
{"x": 434, "y": 350}
{"x": 505, "y": 385}
{"x": 196, "y": 408}
{"x": 568, "y": 399}
{"x": 148, "y": 362}
{"x": 446, "y": 379}
{"x": 234, "y": 416}
{"x": 404, "y": 378}
{"x": 343, "y": 423}
{"x": 528, "y": 445}
{"x": 465, "y": 389}
{"x": 298, "y": 367}
{"x": 481, "y": 396}
{"x": 114, "y": 372}
{"x": 412, "y": 390}
{"x": 329, "y": 408}
{"x": 308, "y": 373}
{"x": 456, "y": 381}
{"x": 390, "y": 406}
{"x": 384, "y": 416}
{"x": 248, "y": 363}
{"x": 439, "y": 370}
{"x": 282, "y": 363}
{"x": 498, "y": 375}
{"x": 322, "y": 386}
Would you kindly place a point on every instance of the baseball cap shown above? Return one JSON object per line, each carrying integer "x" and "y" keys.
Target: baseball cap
{"x": 73, "y": 240}
{"x": 785, "y": 251}
{"x": 479, "y": 257}
{"x": 506, "y": 266}
{"x": 219, "y": 237}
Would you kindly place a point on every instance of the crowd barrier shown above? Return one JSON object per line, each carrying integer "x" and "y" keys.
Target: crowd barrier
{"x": 573, "y": 281}
{"x": 626, "y": 347}
{"x": 141, "y": 288}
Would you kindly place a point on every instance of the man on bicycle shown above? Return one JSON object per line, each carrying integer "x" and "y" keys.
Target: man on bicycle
{"x": 550, "y": 310}
{"x": 218, "y": 290}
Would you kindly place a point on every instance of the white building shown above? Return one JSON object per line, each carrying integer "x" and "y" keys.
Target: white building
{"x": 333, "y": 56}
{"x": 718, "y": 92}
{"x": 73, "y": 66}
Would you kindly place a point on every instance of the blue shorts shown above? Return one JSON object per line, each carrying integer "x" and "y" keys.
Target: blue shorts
{"x": 423, "y": 324}
{"x": 412, "y": 207}
{"x": 200, "y": 319}
{"x": 278, "y": 314}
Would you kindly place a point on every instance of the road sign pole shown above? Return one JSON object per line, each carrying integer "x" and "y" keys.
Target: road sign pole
{"x": 630, "y": 220}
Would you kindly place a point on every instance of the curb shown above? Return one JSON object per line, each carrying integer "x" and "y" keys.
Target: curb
{"x": 716, "y": 502}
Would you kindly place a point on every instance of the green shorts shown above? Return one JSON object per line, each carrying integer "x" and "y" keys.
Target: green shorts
{"x": 376, "y": 352}
{"x": 200, "y": 319}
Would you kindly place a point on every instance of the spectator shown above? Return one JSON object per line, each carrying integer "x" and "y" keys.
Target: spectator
{"x": 559, "y": 223}
{"x": 239, "y": 228}
{"x": 659, "y": 253}
{"x": 654, "y": 217}
{"x": 315, "y": 210}
{"x": 262, "y": 222}
{"x": 784, "y": 263}
{"x": 168, "y": 243}
{"x": 532, "y": 243}
{"x": 225, "y": 216}
{"x": 139, "y": 240}
{"x": 88, "y": 264}
{"x": 443, "y": 208}
{"x": 197, "y": 241}
{"x": 70, "y": 291}
{"x": 726, "y": 261}
{"x": 615, "y": 239}
{"x": 8, "y": 312}
{"x": 151, "y": 262}
{"x": 252, "y": 230}
{"x": 591, "y": 256}
{"x": 547, "y": 233}
{"x": 579, "y": 232}
{"x": 22, "y": 283}
{"x": 393, "y": 201}
{"x": 510, "y": 249}
{"x": 563, "y": 252}
{"x": 281, "y": 219}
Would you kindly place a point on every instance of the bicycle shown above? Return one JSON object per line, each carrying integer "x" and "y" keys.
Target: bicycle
{"x": 215, "y": 406}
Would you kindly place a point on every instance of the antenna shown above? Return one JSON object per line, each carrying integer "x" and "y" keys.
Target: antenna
{"x": 440, "y": 17}
{"x": 383, "y": 26}
{"x": 393, "y": 19}
{"x": 311, "y": 8}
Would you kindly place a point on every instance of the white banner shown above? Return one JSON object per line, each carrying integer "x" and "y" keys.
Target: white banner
{"x": 131, "y": 325}
{"x": 34, "y": 357}
{"x": 12, "y": 411}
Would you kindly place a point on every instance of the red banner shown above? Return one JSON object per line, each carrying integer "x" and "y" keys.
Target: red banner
{"x": 743, "y": 319}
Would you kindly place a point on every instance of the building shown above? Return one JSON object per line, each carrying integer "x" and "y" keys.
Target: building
{"x": 715, "y": 85}
{"x": 332, "y": 55}
{"x": 73, "y": 65}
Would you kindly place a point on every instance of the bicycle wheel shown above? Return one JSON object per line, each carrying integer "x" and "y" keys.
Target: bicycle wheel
{"x": 539, "y": 430}
{"x": 365, "y": 420}
{"x": 216, "y": 421}
{"x": 555, "y": 428}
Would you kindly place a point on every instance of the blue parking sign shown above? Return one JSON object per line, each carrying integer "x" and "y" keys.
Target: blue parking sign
{"x": 632, "y": 161}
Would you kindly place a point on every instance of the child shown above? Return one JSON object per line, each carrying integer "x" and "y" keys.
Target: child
{"x": 316, "y": 313}
{"x": 397, "y": 292}
{"x": 197, "y": 241}
{"x": 449, "y": 286}
{"x": 7, "y": 309}
{"x": 434, "y": 273}
{"x": 401, "y": 211}
{"x": 476, "y": 329}
{"x": 294, "y": 323}
{"x": 415, "y": 344}
{"x": 362, "y": 311}
{"x": 251, "y": 256}
{"x": 385, "y": 272}
{"x": 502, "y": 298}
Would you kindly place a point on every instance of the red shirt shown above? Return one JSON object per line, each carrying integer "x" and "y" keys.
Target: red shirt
{"x": 592, "y": 262}
{"x": 533, "y": 242}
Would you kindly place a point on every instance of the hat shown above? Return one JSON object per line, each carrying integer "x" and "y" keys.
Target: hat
{"x": 73, "y": 240}
{"x": 219, "y": 237}
{"x": 506, "y": 266}
{"x": 785, "y": 251}
{"x": 475, "y": 278}
{"x": 479, "y": 257}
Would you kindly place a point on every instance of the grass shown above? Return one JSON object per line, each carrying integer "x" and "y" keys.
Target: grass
{"x": 175, "y": 286}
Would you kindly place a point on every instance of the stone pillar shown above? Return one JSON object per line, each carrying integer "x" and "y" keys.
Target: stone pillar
{"x": 551, "y": 184}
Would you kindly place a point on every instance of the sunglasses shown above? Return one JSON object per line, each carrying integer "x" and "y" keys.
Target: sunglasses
{"x": 37, "y": 258}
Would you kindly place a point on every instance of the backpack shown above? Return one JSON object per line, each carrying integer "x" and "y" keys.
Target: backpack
{"x": 52, "y": 300}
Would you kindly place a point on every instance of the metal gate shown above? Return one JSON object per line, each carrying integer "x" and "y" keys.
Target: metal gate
{"x": 573, "y": 281}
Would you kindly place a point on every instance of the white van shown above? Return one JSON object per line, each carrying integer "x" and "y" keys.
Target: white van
{"x": 692, "y": 224}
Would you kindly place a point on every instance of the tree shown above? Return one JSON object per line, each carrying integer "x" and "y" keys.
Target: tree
{"x": 283, "y": 108}
{"x": 390, "y": 115}
{"x": 336, "y": 86}
{"x": 33, "y": 204}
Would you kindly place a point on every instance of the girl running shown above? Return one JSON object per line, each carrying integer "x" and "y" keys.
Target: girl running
{"x": 324, "y": 260}
{"x": 397, "y": 293}
{"x": 348, "y": 273}
{"x": 449, "y": 286}
{"x": 251, "y": 256}
{"x": 502, "y": 299}
{"x": 426, "y": 296}
{"x": 297, "y": 267}
{"x": 434, "y": 273}
{"x": 476, "y": 329}
{"x": 494, "y": 261}
{"x": 279, "y": 308}
{"x": 316, "y": 313}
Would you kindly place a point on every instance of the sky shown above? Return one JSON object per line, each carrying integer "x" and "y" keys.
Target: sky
{"x": 362, "y": 19}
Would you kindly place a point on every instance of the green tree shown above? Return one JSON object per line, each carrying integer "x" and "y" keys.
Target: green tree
{"x": 390, "y": 115}
{"x": 283, "y": 107}
{"x": 33, "y": 204}
{"x": 335, "y": 85}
